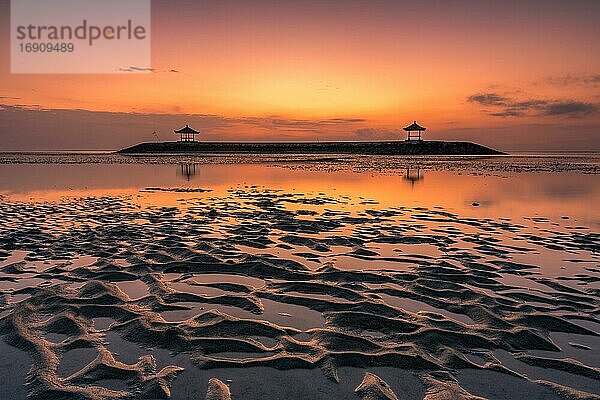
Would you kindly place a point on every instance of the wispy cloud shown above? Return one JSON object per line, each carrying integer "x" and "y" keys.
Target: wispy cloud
{"x": 378, "y": 134}
{"x": 588, "y": 80}
{"x": 136, "y": 69}
{"x": 133, "y": 68}
{"x": 502, "y": 106}
{"x": 570, "y": 108}
{"x": 488, "y": 99}
{"x": 20, "y": 123}
{"x": 32, "y": 127}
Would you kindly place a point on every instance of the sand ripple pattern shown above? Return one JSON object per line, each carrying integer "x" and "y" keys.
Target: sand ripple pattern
{"x": 264, "y": 278}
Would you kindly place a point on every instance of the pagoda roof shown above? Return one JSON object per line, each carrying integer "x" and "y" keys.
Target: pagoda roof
{"x": 187, "y": 129}
{"x": 414, "y": 127}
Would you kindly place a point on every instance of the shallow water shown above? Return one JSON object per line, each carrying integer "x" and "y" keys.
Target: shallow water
{"x": 146, "y": 276}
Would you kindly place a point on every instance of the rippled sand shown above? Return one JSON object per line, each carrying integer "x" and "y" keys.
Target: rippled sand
{"x": 258, "y": 293}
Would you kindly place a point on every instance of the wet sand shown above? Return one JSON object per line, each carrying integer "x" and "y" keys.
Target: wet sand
{"x": 229, "y": 286}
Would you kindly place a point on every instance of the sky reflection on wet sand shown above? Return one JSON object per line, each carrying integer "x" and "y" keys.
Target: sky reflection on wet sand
{"x": 334, "y": 268}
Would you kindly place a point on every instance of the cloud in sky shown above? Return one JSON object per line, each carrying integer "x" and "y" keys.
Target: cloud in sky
{"x": 488, "y": 99}
{"x": 570, "y": 108}
{"x": 502, "y": 106}
{"x": 136, "y": 69}
{"x": 588, "y": 80}
{"x": 133, "y": 68}
{"x": 31, "y": 127}
{"x": 34, "y": 127}
{"x": 378, "y": 134}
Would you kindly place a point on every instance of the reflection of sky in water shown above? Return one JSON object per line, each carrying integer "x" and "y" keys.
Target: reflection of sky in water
{"x": 506, "y": 194}
{"x": 425, "y": 246}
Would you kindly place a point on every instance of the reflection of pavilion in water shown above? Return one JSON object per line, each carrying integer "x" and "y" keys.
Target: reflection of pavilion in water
{"x": 187, "y": 170}
{"x": 413, "y": 175}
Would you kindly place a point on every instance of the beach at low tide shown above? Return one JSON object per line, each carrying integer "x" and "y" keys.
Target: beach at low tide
{"x": 317, "y": 277}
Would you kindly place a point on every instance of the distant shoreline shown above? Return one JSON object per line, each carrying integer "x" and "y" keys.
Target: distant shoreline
{"x": 366, "y": 148}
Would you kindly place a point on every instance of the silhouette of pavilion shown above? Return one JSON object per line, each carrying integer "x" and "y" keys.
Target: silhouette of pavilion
{"x": 187, "y": 134}
{"x": 414, "y": 127}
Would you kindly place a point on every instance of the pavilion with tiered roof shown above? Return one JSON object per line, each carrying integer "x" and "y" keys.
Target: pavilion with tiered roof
{"x": 414, "y": 131}
{"x": 187, "y": 134}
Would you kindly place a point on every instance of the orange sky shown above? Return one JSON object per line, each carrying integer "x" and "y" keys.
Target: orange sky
{"x": 486, "y": 71}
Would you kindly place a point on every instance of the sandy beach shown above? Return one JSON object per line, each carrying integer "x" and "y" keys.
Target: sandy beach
{"x": 300, "y": 200}
{"x": 250, "y": 281}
